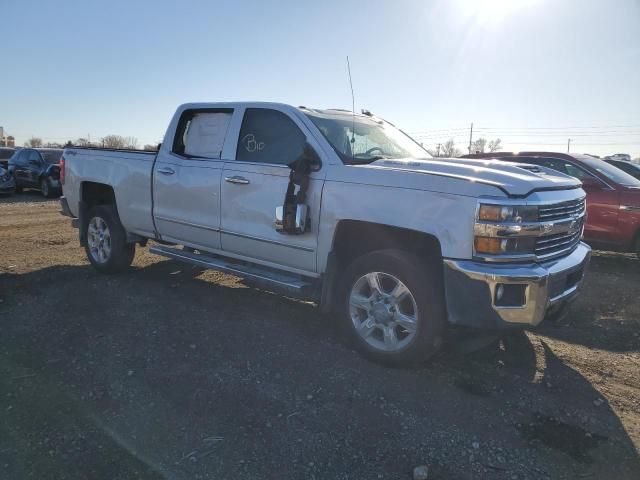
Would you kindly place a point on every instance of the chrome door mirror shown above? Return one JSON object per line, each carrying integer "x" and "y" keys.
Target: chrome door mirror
{"x": 292, "y": 219}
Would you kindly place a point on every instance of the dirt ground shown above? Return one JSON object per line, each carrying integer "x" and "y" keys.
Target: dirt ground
{"x": 171, "y": 372}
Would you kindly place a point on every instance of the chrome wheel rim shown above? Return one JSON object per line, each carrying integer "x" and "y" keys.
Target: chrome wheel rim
{"x": 383, "y": 311}
{"x": 99, "y": 240}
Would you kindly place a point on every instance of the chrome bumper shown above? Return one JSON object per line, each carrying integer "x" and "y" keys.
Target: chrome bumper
{"x": 471, "y": 288}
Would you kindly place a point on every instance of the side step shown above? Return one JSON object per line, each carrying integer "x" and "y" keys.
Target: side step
{"x": 282, "y": 281}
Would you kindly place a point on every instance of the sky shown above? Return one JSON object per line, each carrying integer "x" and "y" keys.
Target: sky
{"x": 531, "y": 72}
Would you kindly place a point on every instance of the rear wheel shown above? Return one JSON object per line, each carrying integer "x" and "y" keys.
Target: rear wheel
{"x": 45, "y": 187}
{"x": 107, "y": 248}
{"x": 393, "y": 307}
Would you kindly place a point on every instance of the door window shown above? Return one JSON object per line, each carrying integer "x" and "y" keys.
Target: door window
{"x": 269, "y": 136}
{"x": 201, "y": 133}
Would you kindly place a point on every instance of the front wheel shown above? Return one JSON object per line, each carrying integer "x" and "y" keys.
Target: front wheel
{"x": 107, "y": 248}
{"x": 393, "y": 307}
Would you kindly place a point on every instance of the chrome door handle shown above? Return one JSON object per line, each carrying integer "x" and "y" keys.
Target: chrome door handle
{"x": 236, "y": 179}
{"x": 166, "y": 171}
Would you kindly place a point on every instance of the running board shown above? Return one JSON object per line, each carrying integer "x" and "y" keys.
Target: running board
{"x": 282, "y": 281}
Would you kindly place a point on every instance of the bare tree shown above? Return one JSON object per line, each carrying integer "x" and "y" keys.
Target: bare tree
{"x": 118, "y": 141}
{"x": 151, "y": 148}
{"x": 33, "y": 142}
{"x": 449, "y": 149}
{"x": 82, "y": 142}
{"x": 446, "y": 149}
{"x": 479, "y": 145}
{"x": 495, "y": 145}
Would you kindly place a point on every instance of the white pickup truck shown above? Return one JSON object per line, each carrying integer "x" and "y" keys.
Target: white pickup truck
{"x": 343, "y": 209}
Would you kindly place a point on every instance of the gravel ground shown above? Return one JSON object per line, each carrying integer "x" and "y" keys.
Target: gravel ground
{"x": 172, "y": 372}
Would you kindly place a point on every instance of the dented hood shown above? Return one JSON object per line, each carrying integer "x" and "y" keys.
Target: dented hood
{"x": 515, "y": 179}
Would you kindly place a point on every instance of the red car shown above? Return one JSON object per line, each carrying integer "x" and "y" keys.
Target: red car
{"x": 613, "y": 196}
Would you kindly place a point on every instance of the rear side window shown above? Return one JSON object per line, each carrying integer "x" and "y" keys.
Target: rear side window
{"x": 269, "y": 136}
{"x": 201, "y": 133}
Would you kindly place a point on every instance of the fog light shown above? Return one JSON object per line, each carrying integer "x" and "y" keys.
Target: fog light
{"x": 511, "y": 295}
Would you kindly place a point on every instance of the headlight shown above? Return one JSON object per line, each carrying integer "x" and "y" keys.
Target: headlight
{"x": 502, "y": 230}
{"x": 502, "y": 246}
{"x": 510, "y": 213}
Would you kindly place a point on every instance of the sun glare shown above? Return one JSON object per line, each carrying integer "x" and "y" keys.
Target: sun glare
{"x": 492, "y": 12}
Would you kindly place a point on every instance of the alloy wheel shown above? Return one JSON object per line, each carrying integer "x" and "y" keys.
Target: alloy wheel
{"x": 383, "y": 311}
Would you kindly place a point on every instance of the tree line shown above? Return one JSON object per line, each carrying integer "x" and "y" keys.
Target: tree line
{"x": 481, "y": 145}
{"x": 109, "y": 141}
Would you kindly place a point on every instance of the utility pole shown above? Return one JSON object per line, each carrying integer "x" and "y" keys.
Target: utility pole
{"x": 470, "y": 137}
{"x": 568, "y": 144}
{"x": 438, "y": 154}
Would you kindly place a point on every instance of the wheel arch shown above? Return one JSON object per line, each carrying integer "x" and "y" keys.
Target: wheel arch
{"x": 92, "y": 194}
{"x": 353, "y": 238}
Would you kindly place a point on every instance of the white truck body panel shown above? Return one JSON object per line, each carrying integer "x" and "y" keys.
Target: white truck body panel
{"x": 216, "y": 203}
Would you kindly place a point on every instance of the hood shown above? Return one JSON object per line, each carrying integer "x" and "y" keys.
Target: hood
{"x": 515, "y": 179}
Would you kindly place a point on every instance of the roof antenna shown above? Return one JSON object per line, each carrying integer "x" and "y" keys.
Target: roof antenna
{"x": 353, "y": 107}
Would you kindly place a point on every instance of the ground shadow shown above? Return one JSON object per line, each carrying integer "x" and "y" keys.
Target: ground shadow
{"x": 174, "y": 372}
{"x": 26, "y": 196}
{"x": 606, "y": 315}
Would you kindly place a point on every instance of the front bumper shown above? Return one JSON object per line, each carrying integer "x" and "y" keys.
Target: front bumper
{"x": 471, "y": 287}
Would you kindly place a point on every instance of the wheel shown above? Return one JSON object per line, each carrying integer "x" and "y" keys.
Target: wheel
{"x": 107, "y": 248}
{"x": 393, "y": 307}
{"x": 45, "y": 187}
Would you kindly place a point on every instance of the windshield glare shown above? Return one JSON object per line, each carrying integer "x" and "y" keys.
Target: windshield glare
{"x": 611, "y": 172}
{"x": 363, "y": 140}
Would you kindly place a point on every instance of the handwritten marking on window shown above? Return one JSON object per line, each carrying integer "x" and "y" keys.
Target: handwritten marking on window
{"x": 250, "y": 143}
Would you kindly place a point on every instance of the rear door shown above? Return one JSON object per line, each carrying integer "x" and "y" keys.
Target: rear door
{"x": 255, "y": 183}
{"x": 186, "y": 179}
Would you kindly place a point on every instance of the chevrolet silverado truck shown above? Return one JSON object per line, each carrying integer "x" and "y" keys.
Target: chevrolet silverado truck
{"x": 342, "y": 209}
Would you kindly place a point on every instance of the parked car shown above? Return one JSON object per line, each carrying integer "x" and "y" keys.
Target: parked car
{"x": 7, "y": 183}
{"x": 5, "y": 154}
{"x": 632, "y": 169}
{"x": 613, "y": 196}
{"x": 366, "y": 224}
{"x": 625, "y": 157}
{"x": 37, "y": 168}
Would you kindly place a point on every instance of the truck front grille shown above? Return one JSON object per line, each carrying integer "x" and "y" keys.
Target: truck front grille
{"x": 557, "y": 244}
{"x": 558, "y": 211}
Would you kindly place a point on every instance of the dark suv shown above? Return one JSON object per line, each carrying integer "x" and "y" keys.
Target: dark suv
{"x": 37, "y": 168}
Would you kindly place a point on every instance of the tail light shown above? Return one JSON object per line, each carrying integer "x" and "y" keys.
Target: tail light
{"x": 62, "y": 170}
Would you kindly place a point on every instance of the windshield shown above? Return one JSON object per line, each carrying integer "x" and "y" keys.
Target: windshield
{"x": 52, "y": 157}
{"x": 611, "y": 172}
{"x": 363, "y": 139}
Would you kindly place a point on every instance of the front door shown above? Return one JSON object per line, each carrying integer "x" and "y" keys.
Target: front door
{"x": 254, "y": 185}
{"x": 186, "y": 180}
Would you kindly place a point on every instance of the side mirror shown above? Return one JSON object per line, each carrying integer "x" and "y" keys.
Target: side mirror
{"x": 591, "y": 184}
{"x": 292, "y": 219}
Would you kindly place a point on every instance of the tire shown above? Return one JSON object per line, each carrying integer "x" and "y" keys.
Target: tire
{"x": 421, "y": 313}
{"x": 107, "y": 248}
{"x": 45, "y": 187}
